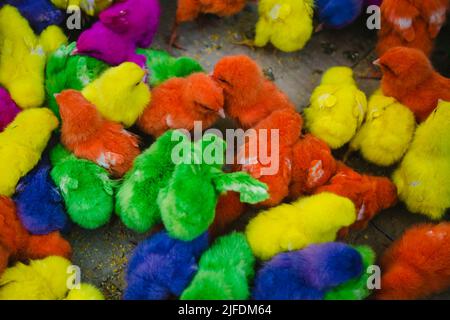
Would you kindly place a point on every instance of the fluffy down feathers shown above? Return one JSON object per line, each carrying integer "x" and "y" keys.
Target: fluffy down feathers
{"x": 179, "y": 102}
{"x": 67, "y": 71}
{"x": 21, "y": 145}
{"x": 337, "y": 108}
{"x": 89, "y": 136}
{"x": 338, "y": 13}
{"x": 39, "y": 204}
{"x": 309, "y": 273}
{"x": 369, "y": 194}
{"x": 162, "y": 267}
{"x": 39, "y": 13}
{"x": 85, "y": 291}
{"x": 287, "y": 24}
{"x": 188, "y": 10}
{"x": 387, "y": 131}
{"x": 423, "y": 176}
{"x": 136, "y": 198}
{"x": 86, "y": 188}
{"x": 8, "y": 109}
{"x": 224, "y": 271}
{"x": 119, "y": 93}
{"x": 136, "y": 20}
{"x": 91, "y": 7}
{"x": 410, "y": 23}
{"x": 44, "y": 279}
{"x": 23, "y": 56}
{"x": 17, "y": 244}
{"x": 162, "y": 66}
{"x": 408, "y": 76}
{"x": 418, "y": 264}
{"x": 294, "y": 226}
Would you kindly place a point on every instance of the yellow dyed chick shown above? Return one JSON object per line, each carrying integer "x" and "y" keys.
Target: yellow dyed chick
{"x": 90, "y": 7}
{"x": 309, "y": 220}
{"x": 21, "y": 145}
{"x": 387, "y": 131}
{"x": 23, "y": 57}
{"x": 423, "y": 178}
{"x": 46, "y": 279}
{"x": 287, "y": 24}
{"x": 120, "y": 94}
{"x": 337, "y": 108}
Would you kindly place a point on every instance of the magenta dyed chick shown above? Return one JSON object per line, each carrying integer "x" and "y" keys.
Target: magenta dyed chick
{"x": 137, "y": 20}
{"x": 106, "y": 45}
{"x": 8, "y": 109}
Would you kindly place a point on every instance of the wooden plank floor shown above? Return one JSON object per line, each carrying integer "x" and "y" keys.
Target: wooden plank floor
{"x": 102, "y": 254}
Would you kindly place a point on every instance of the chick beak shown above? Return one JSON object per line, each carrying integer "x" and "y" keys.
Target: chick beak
{"x": 221, "y": 113}
{"x": 56, "y": 95}
{"x": 74, "y": 52}
{"x": 377, "y": 63}
{"x": 318, "y": 28}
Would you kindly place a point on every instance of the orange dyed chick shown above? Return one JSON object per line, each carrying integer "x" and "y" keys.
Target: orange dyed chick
{"x": 410, "y": 23}
{"x": 409, "y": 77}
{"x": 17, "y": 244}
{"x": 369, "y": 194}
{"x": 89, "y": 136}
{"x": 178, "y": 102}
{"x": 418, "y": 264}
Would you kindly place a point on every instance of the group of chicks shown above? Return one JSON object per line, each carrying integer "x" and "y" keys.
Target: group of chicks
{"x": 80, "y": 159}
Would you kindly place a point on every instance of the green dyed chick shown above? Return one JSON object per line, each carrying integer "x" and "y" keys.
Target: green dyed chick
{"x": 355, "y": 289}
{"x": 163, "y": 66}
{"x": 179, "y": 182}
{"x": 423, "y": 177}
{"x": 86, "y": 188}
{"x": 67, "y": 71}
{"x": 337, "y": 108}
{"x": 224, "y": 272}
{"x": 387, "y": 131}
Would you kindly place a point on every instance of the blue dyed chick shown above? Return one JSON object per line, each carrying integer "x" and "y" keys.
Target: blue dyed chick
{"x": 338, "y": 14}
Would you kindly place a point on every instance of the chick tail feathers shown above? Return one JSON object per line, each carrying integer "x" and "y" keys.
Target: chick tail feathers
{"x": 52, "y": 244}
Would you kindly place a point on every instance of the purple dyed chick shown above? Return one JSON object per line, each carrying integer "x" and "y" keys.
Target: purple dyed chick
{"x": 307, "y": 274}
{"x": 373, "y": 2}
{"x": 136, "y": 20}
{"x": 106, "y": 45}
{"x": 162, "y": 267}
{"x": 8, "y": 109}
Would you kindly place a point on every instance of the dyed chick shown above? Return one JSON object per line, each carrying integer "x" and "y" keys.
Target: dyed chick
{"x": 23, "y": 56}
{"x": 179, "y": 102}
{"x": 8, "y": 109}
{"x": 295, "y": 226}
{"x": 120, "y": 94}
{"x": 39, "y": 13}
{"x": 39, "y": 204}
{"x": 17, "y": 244}
{"x": 356, "y": 288}
{"x": 418, "y": 264}
{"x": 188, "y": 10}
{"x": 287, "y": 24}
{"x": 338, "y": 14}
{"x": 224, "y": 271}
{"x": 162, "y": 66}
{"x": 102, "y": 43}
{"x": 422, "y": 178}
{"x": 410, "y": 23}
{"x": 369, "y": 194}
{"x": 86, "y": 188}
{"x": 45, "y": 279}
{"x": 337, "y": 108}
{"x": 162, "y": 267}
{"x": 136, "y": 20}
{"x": 408, "y": 76}
{"x": 21, "y": 146}
{"x": 89, "y": 136}
{"x": 90, "y": 7}
{"x": 307, "y": 274}
{"x": 67, "y": 71}
{"x": 195, "y": 189}
{"x": 386, "y": 132}
{"x": 136, "y": 197}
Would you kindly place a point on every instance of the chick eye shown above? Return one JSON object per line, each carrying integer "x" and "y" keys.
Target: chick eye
{"x": 224, "y": 81}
